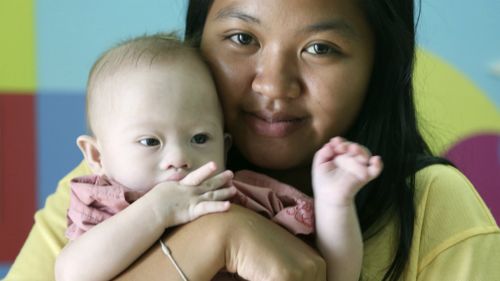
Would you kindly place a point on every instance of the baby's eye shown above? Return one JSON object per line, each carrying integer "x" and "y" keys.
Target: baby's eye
{"x": 321, "y": 49}
{"x": 149, "y": 142}
{"x": 199, "y": 138}
{"x": 241, "y": 38}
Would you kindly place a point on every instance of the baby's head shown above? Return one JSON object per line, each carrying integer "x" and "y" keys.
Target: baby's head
{"x": 153, "y": 113}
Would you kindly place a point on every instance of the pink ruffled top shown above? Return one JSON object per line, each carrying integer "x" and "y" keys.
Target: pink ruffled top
{"x": 279, "y": 202}
{"x": 95, "y": 198}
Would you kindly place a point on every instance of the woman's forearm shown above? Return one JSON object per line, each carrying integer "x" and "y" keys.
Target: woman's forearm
{"x": 198, "y": 248}
{"x": 240, "y": 240}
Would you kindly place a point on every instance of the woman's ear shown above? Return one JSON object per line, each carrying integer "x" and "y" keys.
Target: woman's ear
{"x": 91, "y": 152}
{"x": 228, "y": 141}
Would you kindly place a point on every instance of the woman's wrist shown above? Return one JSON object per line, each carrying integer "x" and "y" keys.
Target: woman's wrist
{"x": 205, "y": 237}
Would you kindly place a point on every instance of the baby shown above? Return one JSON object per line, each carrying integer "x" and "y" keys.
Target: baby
{"x": 155, "y": 118}
{"x": 157, "y": 154}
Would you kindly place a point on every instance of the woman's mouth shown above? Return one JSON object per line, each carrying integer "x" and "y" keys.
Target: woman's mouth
{"x": 273, "y": 124}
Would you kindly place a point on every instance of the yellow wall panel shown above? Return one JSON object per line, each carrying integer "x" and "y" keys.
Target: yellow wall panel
{"x": 450, "y": 106}
{"x": 17, "y": 46}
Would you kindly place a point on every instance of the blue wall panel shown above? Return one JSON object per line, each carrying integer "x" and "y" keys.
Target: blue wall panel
{"x": 60, "y": 120}
{"x": 467, "y": 35}
{"x": 72, "y": 34}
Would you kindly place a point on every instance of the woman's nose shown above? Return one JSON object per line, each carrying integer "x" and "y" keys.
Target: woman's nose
{"x": 175, "y": 158}
{"x": 277, "y": 75}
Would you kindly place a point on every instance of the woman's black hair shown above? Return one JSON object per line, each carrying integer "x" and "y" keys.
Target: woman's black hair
{"x": 196, "y": 16}
{"x": 387, "y": 123}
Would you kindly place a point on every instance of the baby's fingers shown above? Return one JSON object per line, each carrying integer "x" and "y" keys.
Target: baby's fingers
{"x": 375, "y": 166}
{"x": 363, "y": 172}
{"x": 220, "y": 180}
{"x": 212, "y": 202}
{"x": 199, "y": 175}
{"x": 219, "y": 194}
{"x": 208, "y": 207}
{"x": 360, "y": 152}
{"x": 323, "y": 155}
{"x": 352, "y": 166}
{"x": 329, "y": 151}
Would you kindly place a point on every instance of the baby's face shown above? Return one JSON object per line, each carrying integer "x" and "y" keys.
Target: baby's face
{"x": 162, "y": 122}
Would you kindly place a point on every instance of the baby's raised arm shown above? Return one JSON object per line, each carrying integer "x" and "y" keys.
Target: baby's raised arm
{"x": 340, "y": 170}
{"x": 111, "y": 246}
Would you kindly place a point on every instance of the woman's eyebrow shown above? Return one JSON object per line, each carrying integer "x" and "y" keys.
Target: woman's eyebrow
{"x": 337, "y": 25}
{"x": 231, "y": 12}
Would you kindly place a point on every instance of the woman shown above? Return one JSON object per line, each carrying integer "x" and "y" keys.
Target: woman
{"x": 291, "y": 74}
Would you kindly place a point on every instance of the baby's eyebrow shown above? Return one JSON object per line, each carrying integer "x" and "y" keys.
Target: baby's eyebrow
{"x": 232, "y": 12}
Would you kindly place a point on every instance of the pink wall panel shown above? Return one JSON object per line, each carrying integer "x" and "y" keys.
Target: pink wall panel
{"x": 17, "y": 172}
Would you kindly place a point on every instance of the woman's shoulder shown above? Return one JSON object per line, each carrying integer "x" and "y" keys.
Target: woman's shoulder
{"x": 451, "y": 220}
{"x": 46, "y": 238}
{"x": 453, "y": 225}
{"x": 442, "y": 190}
{"x": 449, "y": 212}
{"x": 81, "y": 170}
{"x": 60, "y": 198}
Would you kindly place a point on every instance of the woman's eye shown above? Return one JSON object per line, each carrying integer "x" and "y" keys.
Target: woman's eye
{"x": 241, "y": 38}
{"x": 199, "y": 138}
{"x": 321, "y": 49}
{"x": 149, "y": 142}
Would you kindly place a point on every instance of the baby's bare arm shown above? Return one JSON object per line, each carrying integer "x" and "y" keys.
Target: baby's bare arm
{"x": 340, "y": 170}
{"x": 119, "y": 240}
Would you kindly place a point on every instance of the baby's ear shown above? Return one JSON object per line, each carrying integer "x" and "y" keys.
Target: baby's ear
{"x": 228, "y": 141}
{"x": 91, "y": 152}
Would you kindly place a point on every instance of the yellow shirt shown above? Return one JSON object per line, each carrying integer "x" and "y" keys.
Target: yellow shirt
{"x": 456, "y": 237}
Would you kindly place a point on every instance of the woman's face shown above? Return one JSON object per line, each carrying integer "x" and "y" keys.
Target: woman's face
{"x": 291, "y": 74}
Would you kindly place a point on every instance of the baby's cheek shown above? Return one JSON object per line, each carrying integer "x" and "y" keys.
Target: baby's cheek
{"x": 137, "y": 180}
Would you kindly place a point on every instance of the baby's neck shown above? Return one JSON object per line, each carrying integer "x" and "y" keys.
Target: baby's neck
{"x": 299, "y": 178}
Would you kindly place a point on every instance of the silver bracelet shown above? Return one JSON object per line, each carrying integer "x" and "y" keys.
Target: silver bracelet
{"x": 167, "y": 253}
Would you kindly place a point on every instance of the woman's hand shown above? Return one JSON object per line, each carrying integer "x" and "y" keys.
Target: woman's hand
{"x": 240, "y": 240}
{"x": 259, "y": 249}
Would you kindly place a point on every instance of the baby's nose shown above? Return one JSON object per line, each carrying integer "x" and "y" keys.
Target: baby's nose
{"x": 175, "y": 159}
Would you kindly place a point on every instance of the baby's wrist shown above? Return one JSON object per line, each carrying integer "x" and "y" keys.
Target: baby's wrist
{"x": 332, "y": 203}
{"x": 161, "y": 209}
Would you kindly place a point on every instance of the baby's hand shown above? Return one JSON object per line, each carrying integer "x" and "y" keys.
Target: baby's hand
{"x": 199, "y": 193}
{"x": 340, "y": 169}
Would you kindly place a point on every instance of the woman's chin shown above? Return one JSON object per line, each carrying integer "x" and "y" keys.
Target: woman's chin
{"x": 275, "y": 160}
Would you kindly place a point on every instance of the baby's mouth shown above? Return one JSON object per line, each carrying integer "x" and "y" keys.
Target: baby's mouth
{"x": 177, "y": 175}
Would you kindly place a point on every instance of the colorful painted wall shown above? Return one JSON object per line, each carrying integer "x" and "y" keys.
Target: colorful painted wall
{"x": 48, "y": 46}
